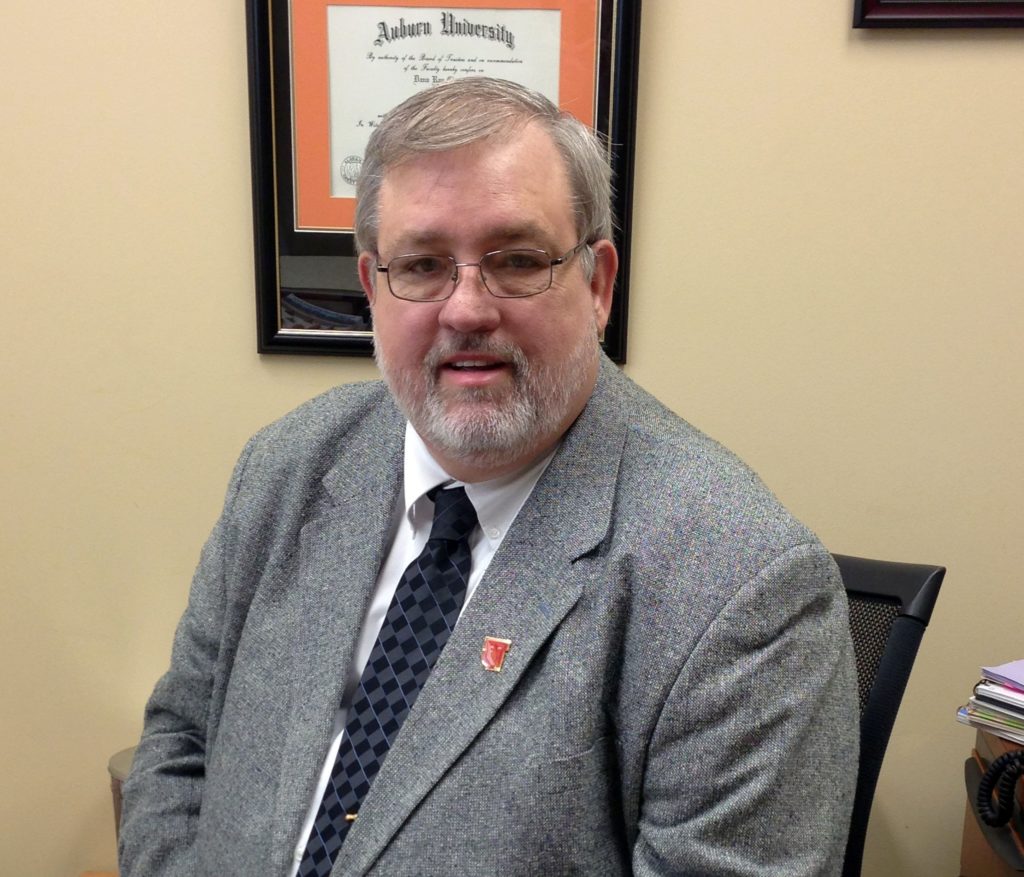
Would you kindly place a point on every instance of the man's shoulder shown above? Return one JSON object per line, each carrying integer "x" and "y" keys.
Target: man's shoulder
{"x": 322, "y": 433}
{"x": 674, "y": 475}
{"x": 694, "y": 525}
{"x": 659, "y": 439}
{"x": 329, "y": 415}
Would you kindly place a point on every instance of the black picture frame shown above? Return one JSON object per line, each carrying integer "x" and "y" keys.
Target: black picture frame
{"x": 938, "y": 13}
{"x": 287, "y": 260}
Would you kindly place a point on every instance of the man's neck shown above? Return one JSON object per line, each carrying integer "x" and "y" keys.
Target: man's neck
{"x": 468, "y": 471}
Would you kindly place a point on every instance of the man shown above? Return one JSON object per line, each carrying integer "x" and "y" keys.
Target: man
{"x": 651, "y": 673}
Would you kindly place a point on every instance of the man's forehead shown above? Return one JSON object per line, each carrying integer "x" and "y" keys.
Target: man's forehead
{"x": 490, "y": 194}
{"x": 526, "y": 233}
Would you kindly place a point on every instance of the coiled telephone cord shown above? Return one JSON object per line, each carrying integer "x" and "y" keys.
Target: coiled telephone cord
{"x": 1002, "y": 775}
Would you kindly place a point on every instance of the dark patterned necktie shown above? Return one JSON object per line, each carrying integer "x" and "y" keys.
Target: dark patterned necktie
{"x": 419, "y": 621}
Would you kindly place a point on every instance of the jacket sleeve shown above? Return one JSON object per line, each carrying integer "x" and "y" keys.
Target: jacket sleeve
{"x": 752, "y": 765}
{"x": 164, "y": 789}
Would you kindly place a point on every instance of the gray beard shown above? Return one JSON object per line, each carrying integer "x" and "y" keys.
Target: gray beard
{"x": 491, "y": 428}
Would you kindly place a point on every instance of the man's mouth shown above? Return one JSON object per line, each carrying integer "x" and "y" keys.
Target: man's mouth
{"x": 473, "y": 365}
{"x": 474, "y": 370}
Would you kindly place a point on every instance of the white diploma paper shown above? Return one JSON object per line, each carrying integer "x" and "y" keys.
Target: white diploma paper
{"x": 380, "y": 55}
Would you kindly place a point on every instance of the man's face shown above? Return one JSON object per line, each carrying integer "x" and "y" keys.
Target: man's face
{"x": 488, "y": 383}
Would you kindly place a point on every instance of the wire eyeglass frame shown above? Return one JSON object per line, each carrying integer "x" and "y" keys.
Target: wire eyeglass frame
{"x": 449, "y": 286}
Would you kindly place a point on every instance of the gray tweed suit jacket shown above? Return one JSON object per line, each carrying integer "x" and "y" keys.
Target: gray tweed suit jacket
{"x": 679, "y": 697}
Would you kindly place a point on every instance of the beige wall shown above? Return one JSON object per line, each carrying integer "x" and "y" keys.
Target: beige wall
{"x": 827, "y": 277}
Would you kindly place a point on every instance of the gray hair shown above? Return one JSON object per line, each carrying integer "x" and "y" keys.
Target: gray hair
{"x": 465, "y": 111}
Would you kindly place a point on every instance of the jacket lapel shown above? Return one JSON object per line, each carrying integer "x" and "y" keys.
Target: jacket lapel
{"x": 527, "y": 591}
{"x": 340, "y": 552}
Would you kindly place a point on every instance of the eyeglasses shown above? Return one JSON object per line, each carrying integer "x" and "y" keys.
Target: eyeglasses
{"x": 504, "y": 273}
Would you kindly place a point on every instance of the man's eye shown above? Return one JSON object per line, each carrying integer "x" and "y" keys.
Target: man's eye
{"x": 424, "y": 266}
{"x": 519, "y": 261}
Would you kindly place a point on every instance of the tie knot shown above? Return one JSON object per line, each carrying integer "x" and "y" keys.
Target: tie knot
{"x": 454, "y": 515}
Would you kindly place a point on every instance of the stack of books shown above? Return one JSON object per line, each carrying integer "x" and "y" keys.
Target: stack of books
{"x": 997, "y": 705}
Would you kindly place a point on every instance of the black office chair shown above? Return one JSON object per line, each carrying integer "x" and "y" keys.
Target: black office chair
{"x": 890, "y": 605}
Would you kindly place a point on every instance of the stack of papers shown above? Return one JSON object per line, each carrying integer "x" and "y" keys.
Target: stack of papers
{"x": 997, "y": 704}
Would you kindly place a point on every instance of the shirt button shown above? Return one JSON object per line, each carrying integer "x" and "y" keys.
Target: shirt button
{"x": 493, "y": 532}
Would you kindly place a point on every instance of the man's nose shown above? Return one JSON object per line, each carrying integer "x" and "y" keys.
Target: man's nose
{"x": 471, "y": 308}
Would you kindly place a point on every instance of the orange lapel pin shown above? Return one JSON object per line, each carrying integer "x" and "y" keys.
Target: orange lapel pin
{"x": 492, "y": 656}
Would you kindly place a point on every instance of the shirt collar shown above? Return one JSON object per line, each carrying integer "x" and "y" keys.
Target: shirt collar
{"x": 497, "y": 502}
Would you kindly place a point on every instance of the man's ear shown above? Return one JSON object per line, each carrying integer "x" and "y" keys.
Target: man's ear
{"x": 368, "y": 275}
{"x": 602, "y": 283}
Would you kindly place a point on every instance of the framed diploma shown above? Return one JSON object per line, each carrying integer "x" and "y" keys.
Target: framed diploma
{"x": 321, "y": 75}
{"x": 938, "y": 13}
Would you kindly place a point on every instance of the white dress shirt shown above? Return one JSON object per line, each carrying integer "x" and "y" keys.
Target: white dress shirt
{"x": 496, "y": 502}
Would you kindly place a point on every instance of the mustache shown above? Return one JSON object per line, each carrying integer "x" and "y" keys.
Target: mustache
{"x": 448, "y": 347}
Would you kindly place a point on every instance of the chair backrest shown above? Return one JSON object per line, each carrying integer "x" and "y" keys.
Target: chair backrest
{"x": 890, "y": 605}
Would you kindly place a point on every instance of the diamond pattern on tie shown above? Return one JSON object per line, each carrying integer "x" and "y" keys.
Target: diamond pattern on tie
{"x": 418, "y": 623}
